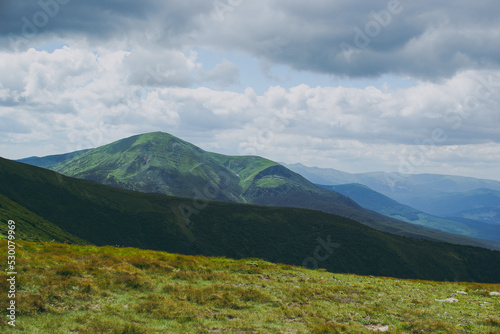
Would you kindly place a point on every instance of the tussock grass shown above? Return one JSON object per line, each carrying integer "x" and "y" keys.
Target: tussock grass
{"x": 88, "y": 289}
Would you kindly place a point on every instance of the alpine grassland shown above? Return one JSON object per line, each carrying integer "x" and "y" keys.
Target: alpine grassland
{"x": 88, "y": 289}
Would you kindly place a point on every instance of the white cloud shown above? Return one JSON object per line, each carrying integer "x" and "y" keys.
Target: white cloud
{"x": 135, "y": 70}
{"x": 223, "y": 74}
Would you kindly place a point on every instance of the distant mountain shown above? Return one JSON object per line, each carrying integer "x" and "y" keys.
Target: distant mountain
{"x": 161, "y": 163}
{"x": 480, "y": 204}
{"x": 51, "y": 160}
{"x": 425, "y": 192}
{"x": 382, "y": 204}
{"x": 104, "y": 215}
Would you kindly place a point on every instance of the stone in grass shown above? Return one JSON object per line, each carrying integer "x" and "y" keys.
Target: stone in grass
{"x": 378, "y": 328}
{"x": 447, "y": 300}
{"x": 494, "y": 293}
{"x": 462, "y": 292}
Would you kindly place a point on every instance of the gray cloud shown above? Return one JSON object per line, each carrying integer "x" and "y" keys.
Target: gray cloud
{"x": 157, "y": 67}
{"x": 422, "y": 39}
{"x": 100, "y": 21}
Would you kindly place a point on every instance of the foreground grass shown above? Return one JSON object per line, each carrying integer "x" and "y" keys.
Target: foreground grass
{"x": 88, "y": 289}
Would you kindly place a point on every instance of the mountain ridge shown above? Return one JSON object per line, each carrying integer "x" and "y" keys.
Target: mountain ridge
{"x": 382, "y": 204}
{"x": 161, "y": 163}
{"x": 104, "y": 215}
{"x": 424, "y": 192}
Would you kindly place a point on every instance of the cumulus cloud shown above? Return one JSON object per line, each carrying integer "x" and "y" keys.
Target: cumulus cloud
{"x": 86, "y": 99}
{"x": 223, "y": 74}
{"x": 130, "y": 67}
{"x": 159, "y": 67}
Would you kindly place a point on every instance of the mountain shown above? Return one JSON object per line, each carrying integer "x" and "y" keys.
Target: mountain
{"x": 163, "y": 164}
{"x": 421, "y": 191}
{"x": 382, "y": 204}
{"x": 51, "y": 160}
{"x": 103, "y": 215}
{"x": 479, "y": 204}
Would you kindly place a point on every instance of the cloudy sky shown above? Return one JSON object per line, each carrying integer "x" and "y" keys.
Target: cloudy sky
{"x": 408, "y": 86}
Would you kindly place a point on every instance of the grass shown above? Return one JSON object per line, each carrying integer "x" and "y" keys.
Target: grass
{"x": 89, "y": 289}
{"x": 270, "y": 182}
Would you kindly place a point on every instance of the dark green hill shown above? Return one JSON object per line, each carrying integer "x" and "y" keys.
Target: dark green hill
{"x": 382, "y": 204}
{"x": 161, "y": 163}
{"x": 30, "y": 226}
{"x": 107, "y": 216}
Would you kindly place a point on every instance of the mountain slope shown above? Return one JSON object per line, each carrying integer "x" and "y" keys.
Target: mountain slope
{"x": 29, "y": 226}
{"x": 105, "y": 290}
{"x": 382, "y": 204}
{"x": 107, "y": 216}
{"x": 154, "y": 163}
{"x": 161, "y": 163}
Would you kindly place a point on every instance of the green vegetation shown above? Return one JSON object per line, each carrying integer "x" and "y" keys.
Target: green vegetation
{"x": 88, "y": 290}
{"x": 270, "y": 182}
{"x": 245, "y": 167}
{"x": 163, "y": 164}
{"x": 154, "y": 163}
{"x": 104, "y": 215}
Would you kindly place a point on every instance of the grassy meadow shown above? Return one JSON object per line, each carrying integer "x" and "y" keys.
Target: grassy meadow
{"x": 87, "y": 289}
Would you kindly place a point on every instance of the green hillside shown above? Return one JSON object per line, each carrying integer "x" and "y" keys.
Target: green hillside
{"x": 163, "y": 164}
{"x": 154, "y": 163}
{"x": 375, "y": 201}
{"x": 107, "y": 216}
{"x": 30, "y": 226}
{"x": 108, "y": 290}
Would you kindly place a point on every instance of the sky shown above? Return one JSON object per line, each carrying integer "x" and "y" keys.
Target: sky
{"x": 393, "y": 85}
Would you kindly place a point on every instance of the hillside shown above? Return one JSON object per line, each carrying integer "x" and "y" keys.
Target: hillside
{"x": 107, "y": 290}
{"x": 104, "y": 215}
{"x": 30, "y": 226}
{"x": 382, "y": 204}
{"x": 161, "y": 163}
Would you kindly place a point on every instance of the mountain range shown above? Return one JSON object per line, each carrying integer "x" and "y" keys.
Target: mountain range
{"x": 74, "y": 209}
{"x": 163, "y": 164}
{"x": 447, "y": 196}
{"x": 382, "y": 204}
